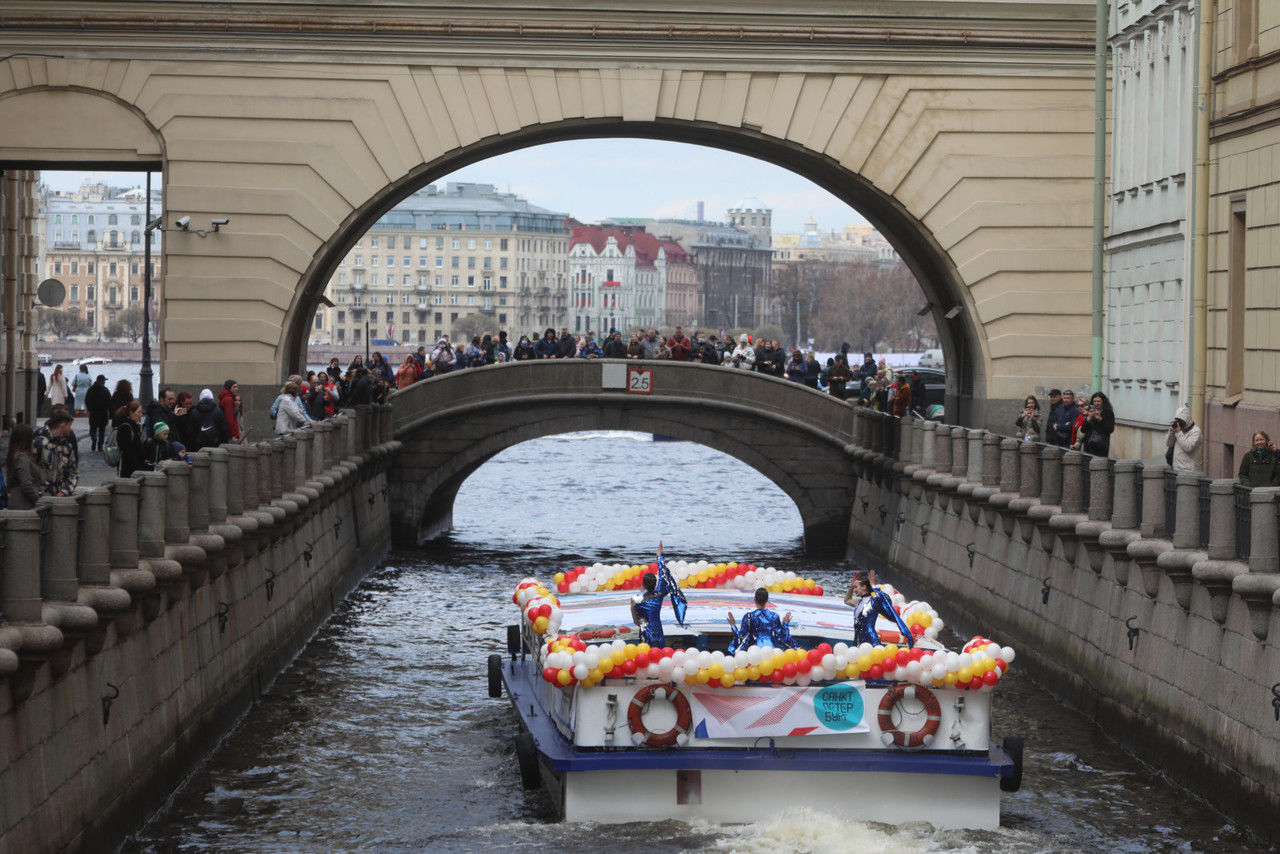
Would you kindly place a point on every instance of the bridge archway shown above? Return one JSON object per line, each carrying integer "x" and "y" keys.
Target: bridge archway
{"x": 453, "y": 424}
{"x": 941, "y": 285}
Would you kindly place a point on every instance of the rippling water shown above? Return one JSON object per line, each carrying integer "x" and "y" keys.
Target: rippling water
{"x": 382, "y": 737}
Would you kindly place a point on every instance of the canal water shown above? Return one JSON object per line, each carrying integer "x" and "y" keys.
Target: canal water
{"x": 381, "y": 736}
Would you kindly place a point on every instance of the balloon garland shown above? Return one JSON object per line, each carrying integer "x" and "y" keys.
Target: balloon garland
{"x": 700, "y": 574}
{"x": 568, "y": 659}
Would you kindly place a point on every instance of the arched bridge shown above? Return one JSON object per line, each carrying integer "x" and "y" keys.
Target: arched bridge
{"x": 793, "y": 435}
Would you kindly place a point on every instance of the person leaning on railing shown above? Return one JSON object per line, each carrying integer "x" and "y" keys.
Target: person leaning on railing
{"x": 1261, "y": 464}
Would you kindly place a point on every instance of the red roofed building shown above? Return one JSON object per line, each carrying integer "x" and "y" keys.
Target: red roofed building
{"x": 618, "y": 278}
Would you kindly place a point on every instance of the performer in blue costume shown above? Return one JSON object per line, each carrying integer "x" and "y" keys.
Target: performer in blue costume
{"x": 868, "y": 603}
{"x": 761, "y": 627}
{"x": 646, "y": 610}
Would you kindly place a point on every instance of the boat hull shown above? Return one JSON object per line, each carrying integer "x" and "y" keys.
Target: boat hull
{"x": 946, "y": 788}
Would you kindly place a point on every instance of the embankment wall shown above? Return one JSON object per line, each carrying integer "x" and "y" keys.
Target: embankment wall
{"x": 1146, "y": 599}
{"x": 141, "y": 618}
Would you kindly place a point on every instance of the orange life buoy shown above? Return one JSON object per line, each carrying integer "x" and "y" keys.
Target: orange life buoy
{"x": 635, "y": 716}
{"x": 923, "y": 737}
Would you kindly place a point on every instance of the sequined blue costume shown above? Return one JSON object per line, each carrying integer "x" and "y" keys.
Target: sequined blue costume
{"x": 649, "y": 607}
{"x": 761, "y": 627}
{"x": 864, "y": 618}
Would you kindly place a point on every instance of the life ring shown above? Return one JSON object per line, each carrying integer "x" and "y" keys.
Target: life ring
{"x": 923, "y": 737}
{"x": 635, "y": 717}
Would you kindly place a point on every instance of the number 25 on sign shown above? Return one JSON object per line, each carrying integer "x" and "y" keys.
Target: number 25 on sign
{"x": 640, "y": 380}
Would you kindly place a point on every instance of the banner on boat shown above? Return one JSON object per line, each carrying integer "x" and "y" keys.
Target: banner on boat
{"x": 748, "y": 712}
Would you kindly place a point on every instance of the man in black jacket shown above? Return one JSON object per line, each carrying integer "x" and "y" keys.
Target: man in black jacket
{"x": 615, "y": 347}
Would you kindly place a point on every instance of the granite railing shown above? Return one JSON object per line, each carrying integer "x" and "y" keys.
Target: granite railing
{"x": 1144, "y": 594}
{"x": 139, "y": 617}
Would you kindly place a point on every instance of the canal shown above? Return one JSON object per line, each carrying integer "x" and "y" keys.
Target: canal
{"x": 381, "y": 735}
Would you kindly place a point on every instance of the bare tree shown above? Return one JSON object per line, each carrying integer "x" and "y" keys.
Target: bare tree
{"x": 131, "y": 321}
{"x": 63, "y": 323}
{"x": 466, "y": 328}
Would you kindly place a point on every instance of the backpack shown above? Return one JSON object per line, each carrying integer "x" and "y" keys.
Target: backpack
{"x": 111, "y": 447}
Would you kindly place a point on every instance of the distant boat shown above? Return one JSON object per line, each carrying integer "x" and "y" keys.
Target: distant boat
{"x": 44, "y": 359}
{"x": 92, "y": 360}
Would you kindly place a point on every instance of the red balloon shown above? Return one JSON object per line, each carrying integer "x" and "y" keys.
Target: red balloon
{"x": 903, "y": 657}
{"x": 1002, "y": 665}
{"x": 789, "y": 670}
{"x": 549, "y": 674}
{"x": 653, "y": 567}
{"x": 629, "y": 667}
{"x": 563, "y": 587}
{"x": 875, "y": 672}
{"x": 776, "y": 677}
{"x": 642, "y": 659}
{"x": 814, "y": 656}
{"x": 917, "y": 630}
{"x": 817, "y": 591}
{"x": 825, "y": 647}
{"x": 990, "y": 678}
{"x": 804, "y": 665}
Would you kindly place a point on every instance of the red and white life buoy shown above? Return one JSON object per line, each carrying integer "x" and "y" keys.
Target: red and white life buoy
{"x": 923, "y": 737}
{"x": 635, "y": 717}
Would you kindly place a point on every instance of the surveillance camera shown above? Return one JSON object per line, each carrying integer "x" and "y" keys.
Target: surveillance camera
{"x": 183, "y": 222}
{"x": 156, "y": 223}
{"x": 219, "y": 221}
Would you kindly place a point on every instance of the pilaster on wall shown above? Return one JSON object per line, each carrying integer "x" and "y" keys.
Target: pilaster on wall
{"x": 1137, "y": 602}
{"x": 140, "y": 618}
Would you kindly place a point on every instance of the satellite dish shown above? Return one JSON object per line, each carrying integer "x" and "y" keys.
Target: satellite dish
{"x": 51, "y": 292}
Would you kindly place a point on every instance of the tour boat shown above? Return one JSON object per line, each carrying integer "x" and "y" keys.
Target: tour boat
{"x": 619, "y": 731}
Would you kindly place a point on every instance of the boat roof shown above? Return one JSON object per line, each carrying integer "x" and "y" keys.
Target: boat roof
{"x": 825, "y": 616}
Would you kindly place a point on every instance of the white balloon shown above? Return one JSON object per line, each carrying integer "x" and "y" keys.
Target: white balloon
{"x": 580, "y": 672}
{"x": 691, "y": 667}
{"x": 953, "y": 661}
{"x": 829, "y": 663}
{"x": 665, "y": 668}
{"x": 913, "y": 670}
{"x": 592, "y": 661}
{"x": 1007, "y": 654}
{"x": 677, "y": 658}
{"x": 939, "y": 672}
{"x": 803, "y": 679}
{"x": 965, "y": 660}
{"x": 864, "y": 649}
{"x": 841, "y": 648}
{"x": 704, "y": 659}
{"x": 938, "y": 624}
{"x": 841, "y": 661}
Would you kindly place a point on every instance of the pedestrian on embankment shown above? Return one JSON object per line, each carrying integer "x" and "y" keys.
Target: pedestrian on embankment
{"x": 1260, "y": 466}
{"x": 80, "y": 387}
{"x": 22, "y": 471}
{"x": 97, "y": 402}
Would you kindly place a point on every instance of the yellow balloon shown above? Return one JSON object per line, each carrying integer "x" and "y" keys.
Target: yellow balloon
{"x": 716, "y": 670}
{"x": 606, "y": 664}
{"x": 703, "y": 678}
{"x": 726, "y": 681}
{"x": 564, "y": 677}
{"x": 691, "y": 679}
{"x": 864, "y": 662}
{"x": 852, "y": 671}
{"x": 890, "y": 650}
{"x": 766, "y": 667}
{"x": 619, "y": 656}
{"x": 753, "y": 673}
{"x": 965, "y": 674}
{"x": 876, "y": 655}
{"x": 559, "y": 576}
{"x": 630, "y": 651}
{"x": 926, "y": 620}
{"x": 950, "y": 680}
{"x": 740, "y": 674}
{"x": 733, "y": 564}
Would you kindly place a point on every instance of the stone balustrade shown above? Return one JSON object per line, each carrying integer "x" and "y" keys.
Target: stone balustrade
{"x": 1144, "y": 593}
{"x": 138, "y": 618}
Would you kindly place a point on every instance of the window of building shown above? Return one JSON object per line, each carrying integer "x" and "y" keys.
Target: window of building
{"x": 113, "y": 220}
{"x": 373, "y": 279}
{"x": 453, "y": 317}
{"x": 422, "y": 243}
{"x": 373, "y": 242}
{"x": 391, "y": 261}
{"x": 453, "y": 281}
{"x": 471, "y": 244}
{"x": 342, "y": 278}
{"x": 502, "y": 263}
{"x": 359, "y": 261}
{"x": 471, "y": 263}
{"x": 133, "y": 294}
{"x": 373, "y": 260}
{"x": 390, "y": 300}
{"x": 455, "y": 243}
{"x": 88, "y": 293}
{"x": 404, "y": 318}
{"x": 373, "y": 316}
{"x": 407, "y": 262}
{"x": 88, "y": 267}
{"x": 114, "y": 239}
{"x": 89, "y": 219}
{"x": 502, "y": 281}
{"x": 342, "y": 317}
{"x": 502, "y": 300}
{"x": 1236, "y": 275}
{"x": 342, "y": 335}
{"x": 75, "y": 267}
{"x": 355, "y": 334}
{"x": 319, "y": 321}
{"x": 91, "y": 236}
{"x": 439, "y": 243}
{"x": 135, "y": 238}
{"x": 437, "y": 299}
{"x": 89, "y": 317}
{"x": 75, "y": 293}
{"x": 488, "y": 303}
{"x": 135, "y": 220}
{"x": 133, "y": 269}
{"x": 422, "y": 260}
{"x": 453, "y": 299}
{"x": 455, "y": 262}
{"x": 57, "y": 268}
{"x": 57, "y": 219}
{"x": 487, "y": 283}
{"x": 439, "y": 262}
{"x": 471, "y": 281}
{"x": 111, "y": 268}
{"x": 502, "y": 318}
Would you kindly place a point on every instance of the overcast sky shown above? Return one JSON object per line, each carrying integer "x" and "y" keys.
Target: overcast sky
{"x": 595, "y": 179}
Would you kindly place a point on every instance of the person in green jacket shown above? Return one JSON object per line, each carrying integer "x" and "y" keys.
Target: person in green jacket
{"x": 1261, "y": 465}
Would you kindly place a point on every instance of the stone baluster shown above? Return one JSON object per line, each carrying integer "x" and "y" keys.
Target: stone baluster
{"x": 1050, "y": 475}
{"x": 1126, "y": 516}
{"x": 386, "y": 433}
{"x": 295, "y": 464}
{"x": 151, "y": 534}
{"x": 1186, "y": 534}
{"x": 977, "y": 441}
{"x": 273, "y": 459}
{"x": 1260, "y": 585}
{"x": 1218, "y": 572}
{"x": 198, "y": 493}
{"x": 1147, "y": 549}
{"x": 93, "y": 564}
{"x": 942, "y": 449}
{"x": 1100, "y": 490}
{"x": 1010, "y": 474}
{"x": 59, "y": 583}
{"x": 237, "y": 456}
{"x": 269, "y": 455}
{"x": 219, "y": 473}
{"x": 1073, "y": 475}
{"x": 319, "y": 445}
{"x": 917, "y": 440}
{"x": 1028, "y": 470}
{"x": 959, "y": 452}
{"x": 126, "y": 570}
{"x": 362, "y": 422}
{"x": 177, "y": 510}
{"x": 249, "y": 473}
{"x": 241, "y": 491}
{"x": 23, "y": 631}
{"x": 991, "y": 461}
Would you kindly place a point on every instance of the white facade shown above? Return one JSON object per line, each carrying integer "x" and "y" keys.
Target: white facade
{"x": 1152, "y": 44}
{"x": 610, "y": 290}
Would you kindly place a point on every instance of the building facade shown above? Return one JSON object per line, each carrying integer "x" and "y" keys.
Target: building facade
{"x": 93, "y": 244}
{"x": 444, "y": 255}
{"x": 734, "y": 272}
{"x": 1147, "y": 247}
{"x": 618, "y": 278}
{"x": 1243, "y": 360}
{"x": 850, "y": 246}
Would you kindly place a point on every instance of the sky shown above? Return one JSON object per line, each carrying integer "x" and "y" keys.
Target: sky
{"x": 592, "y": 180}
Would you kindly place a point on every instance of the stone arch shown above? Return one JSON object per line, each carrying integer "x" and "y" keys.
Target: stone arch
{"x": 942, "y": 285}
{"x": 794, "y": 436}
{"x": 74, "y": 126}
